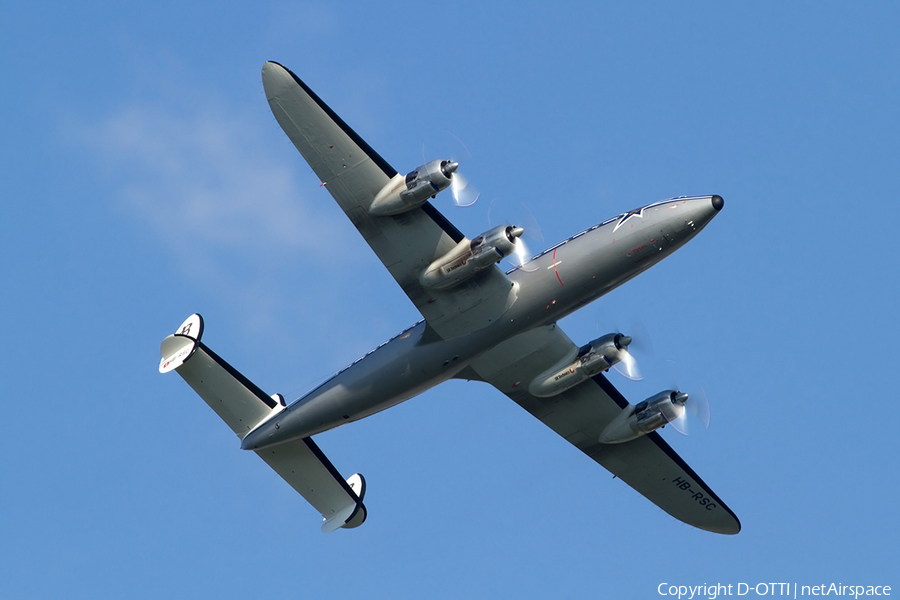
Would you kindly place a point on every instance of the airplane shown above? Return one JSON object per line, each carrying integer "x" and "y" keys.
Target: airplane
{"x": 479, "y": 323}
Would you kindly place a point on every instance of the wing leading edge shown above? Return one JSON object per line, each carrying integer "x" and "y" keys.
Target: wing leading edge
{"x": 648, "y": 464}
{"x": 406, "y": 243}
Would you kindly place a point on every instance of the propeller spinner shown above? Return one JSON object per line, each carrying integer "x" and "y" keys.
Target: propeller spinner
{"x": 694, "y": 408}
{"x": 529, "y": 235}
{"x": 463, "y": 192}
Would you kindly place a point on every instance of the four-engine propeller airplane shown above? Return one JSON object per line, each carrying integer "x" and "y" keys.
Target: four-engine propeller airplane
{"x": 479, "y": 324}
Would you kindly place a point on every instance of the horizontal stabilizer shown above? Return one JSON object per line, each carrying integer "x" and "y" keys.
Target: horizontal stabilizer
{"x": 302, "y": 464}
{"x": 244, "y": 406}
{"x": 237, "y": 400}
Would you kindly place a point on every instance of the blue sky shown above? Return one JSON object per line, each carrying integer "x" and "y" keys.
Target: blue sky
{"x": 144, "y": 178}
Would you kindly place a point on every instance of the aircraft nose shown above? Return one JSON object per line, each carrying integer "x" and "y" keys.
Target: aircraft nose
{"x": 697, "y": 212}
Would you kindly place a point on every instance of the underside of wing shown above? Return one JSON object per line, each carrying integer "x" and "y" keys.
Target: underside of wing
{"x": 580, "y": 415}
{"x": 406, "y": 243}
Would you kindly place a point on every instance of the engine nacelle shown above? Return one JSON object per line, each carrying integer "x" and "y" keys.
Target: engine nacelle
{"x": 592, "y": 358}
{"x": 401, "y": 195}
{"x": 651, "y": 414}
{"x": 470, "y": 257}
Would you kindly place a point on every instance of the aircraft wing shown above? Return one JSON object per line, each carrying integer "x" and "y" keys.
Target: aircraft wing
{"x": 648, "y": 464}
{"x": 406, "y": 243}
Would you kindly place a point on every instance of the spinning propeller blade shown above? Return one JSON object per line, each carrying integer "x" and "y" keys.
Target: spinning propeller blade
{"x": 463, "y": 192}
{"x": 500, "y": 212}
{"x": 627, "y": 366}
{"x": 694, "y": 410}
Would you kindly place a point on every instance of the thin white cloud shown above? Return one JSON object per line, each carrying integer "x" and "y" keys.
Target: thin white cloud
{"x": 206, "y": 175}
{"x": 221, "y": 193}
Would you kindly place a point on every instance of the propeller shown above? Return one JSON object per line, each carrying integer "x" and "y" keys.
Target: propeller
{"x": 530, "y": 235}
{"x": 463, "y": 192}
{"x": 627, "y": 365}
{"x": 694, "y": 409}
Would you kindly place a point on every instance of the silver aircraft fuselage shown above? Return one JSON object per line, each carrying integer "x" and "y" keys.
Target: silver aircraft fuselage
{"x": 554, "y": 284}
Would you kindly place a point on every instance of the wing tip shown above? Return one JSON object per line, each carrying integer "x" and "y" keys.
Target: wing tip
{"x": 733, "y": 528}
{"x": 177, "y": 348}
{"x": 269, "y": 65}
{"x": 274, "y": 87}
